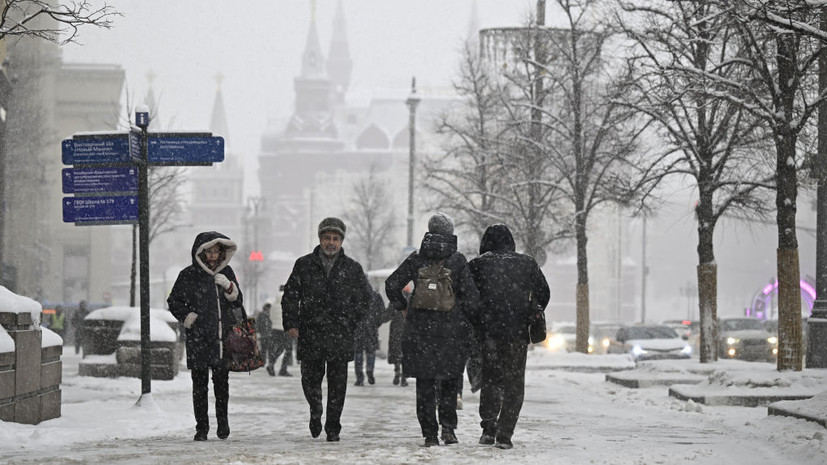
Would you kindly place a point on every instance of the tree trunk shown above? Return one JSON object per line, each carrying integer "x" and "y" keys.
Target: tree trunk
{"x": 582, "y": 341}
{"x": 708, "y": 307}
{"x": 789, "y": 311}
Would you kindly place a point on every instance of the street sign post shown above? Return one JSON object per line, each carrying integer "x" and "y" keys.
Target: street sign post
{"x": 188, "y": 149}
{"x": 103, "y": 180}
{"x": 113, "y": 209}
{"x": 96, "y": 149}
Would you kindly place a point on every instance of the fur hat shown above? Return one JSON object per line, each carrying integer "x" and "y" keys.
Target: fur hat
{"x": 332, "y": 224}
{"x": 441, "y": 224}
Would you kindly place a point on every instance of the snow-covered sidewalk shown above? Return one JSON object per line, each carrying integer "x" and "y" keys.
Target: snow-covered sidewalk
{"x": 568, "y": 417}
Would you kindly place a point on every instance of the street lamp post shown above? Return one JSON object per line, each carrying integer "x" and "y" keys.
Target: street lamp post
{"x": 412, "y": 101}
{"x": 256, "y": 203}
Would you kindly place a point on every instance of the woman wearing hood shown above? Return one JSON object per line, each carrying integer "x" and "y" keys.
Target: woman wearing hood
{"x": 511, "y": 287}
{"x": 202, "y": 299}
{"x": 434, "y": 341}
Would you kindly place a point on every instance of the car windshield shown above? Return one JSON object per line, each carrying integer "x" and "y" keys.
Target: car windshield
{"x": 566, "y": 330}
{"x": 741, "y": 324}
{"x": 651, "y": 332}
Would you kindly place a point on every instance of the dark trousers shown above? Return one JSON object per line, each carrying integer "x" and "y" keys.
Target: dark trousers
{"x": 312, "y": 373}
{"x": 280, "y": 342}
{"x": 434, "y": 396}
{"x": 503, "y": 386}
{"x": 200, "y": 403}
{"x": 369, "y": 360}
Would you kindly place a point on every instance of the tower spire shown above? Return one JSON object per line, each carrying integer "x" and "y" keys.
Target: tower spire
{"x": 339, "y": 64}
{"x": 218, "y": 122}
{"x": 312, "y": 59}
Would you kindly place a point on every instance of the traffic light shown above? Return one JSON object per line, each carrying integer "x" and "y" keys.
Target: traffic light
{"x": 256, "y": 256}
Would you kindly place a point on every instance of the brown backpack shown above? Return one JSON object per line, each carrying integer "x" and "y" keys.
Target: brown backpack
{"x": 433, "y": 289}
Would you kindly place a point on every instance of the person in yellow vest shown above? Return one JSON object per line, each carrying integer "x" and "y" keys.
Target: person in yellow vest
{"x": 58, "y": 323}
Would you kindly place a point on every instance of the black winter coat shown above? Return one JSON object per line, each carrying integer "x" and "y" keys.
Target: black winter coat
{"x": 325, "y": 309}
{"x": 505, "y": 280}
{"x": 367, "y": 331}
{"x": 195, "y": 291}
{"x": 434, "y": 342}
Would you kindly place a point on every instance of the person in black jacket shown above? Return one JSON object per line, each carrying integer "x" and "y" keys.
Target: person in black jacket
{"x": 434, "y": 342}
{"x": 202, "y": 299}
{"x": 512, "y": 287}
{"x": 366, "y": 340}
{"x": 325, "y": 297}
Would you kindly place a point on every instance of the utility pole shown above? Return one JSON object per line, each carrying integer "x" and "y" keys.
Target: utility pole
{"x": 412, "y": 102}
{"x": 643, "y": 272}
{"x": 142, "y": 121}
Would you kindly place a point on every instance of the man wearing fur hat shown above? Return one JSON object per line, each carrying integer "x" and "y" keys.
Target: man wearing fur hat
{"x": 325, "y": 297}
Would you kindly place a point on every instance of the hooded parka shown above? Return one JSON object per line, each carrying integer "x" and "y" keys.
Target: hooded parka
{"x": 505, "y": 311}
{"x": 325, "y": 308}
{"x": 195, "y": 291}
{"x": 434, "y": 343}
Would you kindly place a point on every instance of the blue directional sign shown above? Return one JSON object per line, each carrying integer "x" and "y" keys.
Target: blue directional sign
{"x": 100, "y": 180}
{"x": 101, "y": 210}
{"x": 184, "y": 148}
{"x": 97, "y": 149}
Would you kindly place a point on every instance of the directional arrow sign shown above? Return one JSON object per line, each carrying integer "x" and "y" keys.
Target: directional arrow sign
{"x": 100, "y": 180}
{"x": 184, "y": 148}
{"x": 100, "y": 210}
{"x": 96, "y": 149}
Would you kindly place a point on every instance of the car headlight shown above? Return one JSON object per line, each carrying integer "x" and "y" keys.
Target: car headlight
{"x": 606, "y": 342}
{"x": 772, "y": 340}
{"x": 732, "y": 340}
{"x": 687, "y": 350}
{"x": 638, "y": 350}
{"x": 555, "y": 342}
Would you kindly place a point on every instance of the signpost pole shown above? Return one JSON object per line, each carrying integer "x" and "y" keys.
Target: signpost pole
{"x": 142, "y": 121}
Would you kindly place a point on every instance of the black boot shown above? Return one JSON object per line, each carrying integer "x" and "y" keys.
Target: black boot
{"x": 371, "y": 379}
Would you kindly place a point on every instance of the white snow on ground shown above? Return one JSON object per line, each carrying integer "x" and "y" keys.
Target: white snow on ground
{"x": 569, "y": 417}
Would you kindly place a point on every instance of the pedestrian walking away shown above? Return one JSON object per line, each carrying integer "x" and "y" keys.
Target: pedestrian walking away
{"x": 282, "y": 342}
{"x": 366, "y": 340}
{"x": 512, "y": 289}
{"x": 325, "y": 297}
{"x": 395, "y": 334}
{"x": 78, "y": 317}
{"x": 264, "y": 330}
{"x": 202, "y": 298}
{"x": 434, "y": 346}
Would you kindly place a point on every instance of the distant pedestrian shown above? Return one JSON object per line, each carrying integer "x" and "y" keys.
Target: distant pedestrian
{"x": 203, "y": 299}
{"x": 77, "y": 324}
{"x": 282, "y": 342}
{"x": 395, "y": 334}
{"x": 58, "y": 321}
{"x": 264, "y": 333}
{"x": 325, "y": 296}
{"x": 366, "y": 340}
{"x": 434, "y": 342}
{"x": 512, "y": 287}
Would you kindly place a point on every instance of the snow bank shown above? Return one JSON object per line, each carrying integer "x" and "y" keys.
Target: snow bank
{"x": 6, "y": 342}
{"x": 13, "y": 303}
{"x": 125, "y": 313}
{"x": 159, "y": 330}
{"x": 49, "y": 338}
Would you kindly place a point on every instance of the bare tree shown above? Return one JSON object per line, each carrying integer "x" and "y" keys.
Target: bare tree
{"x": 781, "y": 65}
{"x": 47, "y": 20}
{"x": 468, "y": 178}
{"x": 372, "y": 220}
{"x": 589, "y": 144}
{"x": 712, "y": 140}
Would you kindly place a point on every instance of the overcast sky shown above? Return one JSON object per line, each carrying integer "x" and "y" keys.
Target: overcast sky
{"x": 257, "y": 46}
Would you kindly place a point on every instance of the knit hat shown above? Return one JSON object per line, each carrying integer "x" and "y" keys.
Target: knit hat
{"x": 332, "y": 224}
{"x": 441, "y": 224}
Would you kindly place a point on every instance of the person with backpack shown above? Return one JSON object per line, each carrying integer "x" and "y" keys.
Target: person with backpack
{"x": 512, "y": 290}
{"x": 443, "y": 301}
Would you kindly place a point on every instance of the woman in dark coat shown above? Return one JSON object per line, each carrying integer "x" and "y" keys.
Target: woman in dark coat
{"x": 434, "y": 342}
{"x": 203, "y": 298}
{"x": 512, "y": 287}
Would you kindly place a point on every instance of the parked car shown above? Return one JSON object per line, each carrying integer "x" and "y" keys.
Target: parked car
{"x": 772, "y": 327}
{"x": 562, "y": 337}
{"x": 650, "y": 342}
{"x": 746, "y": 339}
{"x": 601, "y": 335}
{"x": 684, "y": 328}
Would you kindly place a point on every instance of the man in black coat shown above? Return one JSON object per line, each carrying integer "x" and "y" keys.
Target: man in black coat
{"x": 434, "y": 341}
{"x": 325, "y": 297}
{"x": 512, "y": 287}
{"x": 202, "y": 298}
